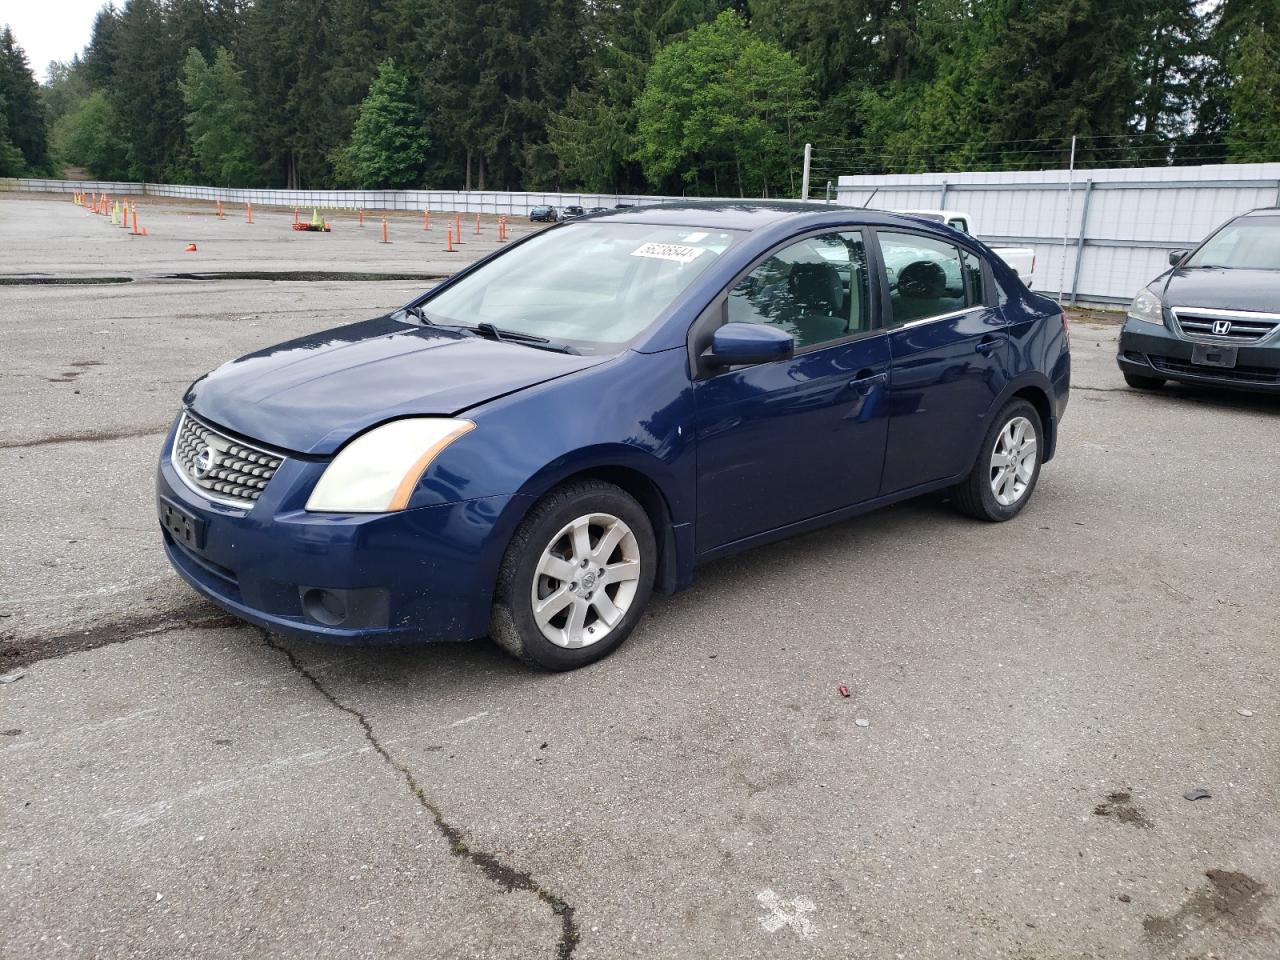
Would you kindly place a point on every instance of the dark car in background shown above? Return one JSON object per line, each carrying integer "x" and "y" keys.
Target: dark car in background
{"x": 532, "y": 447}
{"x": 544, "y": 214}
{"x": 569, "y": 213}
{"x": 1214, "y": 318}
{"x": 597, "y": 210}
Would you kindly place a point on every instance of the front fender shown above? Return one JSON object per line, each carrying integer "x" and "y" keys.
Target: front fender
{"x": 634, "y": 413}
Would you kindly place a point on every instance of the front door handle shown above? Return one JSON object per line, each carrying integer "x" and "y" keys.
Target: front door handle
{"x": 990, "y": 342}
{"x": 866, "y": 380}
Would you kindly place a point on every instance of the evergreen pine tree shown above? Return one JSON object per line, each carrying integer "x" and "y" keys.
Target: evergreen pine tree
{"x": 387, "y": 145}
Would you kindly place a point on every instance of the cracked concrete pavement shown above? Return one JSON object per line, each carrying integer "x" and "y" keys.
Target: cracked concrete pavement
{"x": 1040, "y": 695}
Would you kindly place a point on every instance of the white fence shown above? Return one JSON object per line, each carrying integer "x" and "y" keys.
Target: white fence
{"x": 450, "y": 201}
{"x": 1119, "y": 225}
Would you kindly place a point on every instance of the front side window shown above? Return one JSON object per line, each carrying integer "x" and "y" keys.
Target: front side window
{"x": 1249, "y": 243}
{"x": 590, "y": 285}
{"x": 928, "y": 277}
{"x": 816, "y": 289}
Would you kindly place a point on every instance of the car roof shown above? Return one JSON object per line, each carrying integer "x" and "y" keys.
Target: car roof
{"x": 749, "y": 214}
{"x": 1263, "y": 212}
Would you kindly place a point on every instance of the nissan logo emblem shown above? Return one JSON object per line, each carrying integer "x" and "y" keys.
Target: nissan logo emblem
{"x": 1221, "y": 328}
{"x": 203, "y": 463}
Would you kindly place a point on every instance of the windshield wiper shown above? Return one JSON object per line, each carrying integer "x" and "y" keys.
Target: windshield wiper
{"x": 490, "y": 332}
{"x": 417, "y": 313}
{"x": 493, "y": 333}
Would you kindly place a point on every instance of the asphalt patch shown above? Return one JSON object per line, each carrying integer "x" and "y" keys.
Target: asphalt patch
{"x": 1228, "y": 898}
{"x": 1119, "y": 805}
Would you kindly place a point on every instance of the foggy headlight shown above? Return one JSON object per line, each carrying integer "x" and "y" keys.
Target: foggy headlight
{"x": 378, "y": 471}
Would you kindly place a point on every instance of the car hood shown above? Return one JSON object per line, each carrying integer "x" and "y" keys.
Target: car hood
{"x": 313, "y": 394}
{"x": 1225, "y": 289}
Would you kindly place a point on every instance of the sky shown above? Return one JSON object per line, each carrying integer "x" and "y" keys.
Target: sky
{"x": 50, "y": 29}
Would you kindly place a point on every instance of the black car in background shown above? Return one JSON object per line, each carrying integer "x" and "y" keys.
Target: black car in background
{"x": 544, "y": 214}
{"x": 1214, "y": 318}
{"x": 597, "y": 210}
{"x": 568, "y": 213}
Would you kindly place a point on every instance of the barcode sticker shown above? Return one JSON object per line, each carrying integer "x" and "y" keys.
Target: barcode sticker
{"x": 676, "y": 252}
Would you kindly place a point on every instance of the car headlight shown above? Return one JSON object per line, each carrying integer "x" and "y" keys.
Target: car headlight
{"x": 378, "y": 471}
{"x": 1147, "y": 306}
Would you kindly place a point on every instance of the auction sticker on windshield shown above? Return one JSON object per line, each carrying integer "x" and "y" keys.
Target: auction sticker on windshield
{"x": 676, "y": 252}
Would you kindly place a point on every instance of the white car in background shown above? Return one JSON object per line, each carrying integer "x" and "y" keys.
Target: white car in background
{"x": 1021, "y": 259}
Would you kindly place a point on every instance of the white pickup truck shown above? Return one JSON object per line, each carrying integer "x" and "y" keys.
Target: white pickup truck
{"x": 1021, "y": 259}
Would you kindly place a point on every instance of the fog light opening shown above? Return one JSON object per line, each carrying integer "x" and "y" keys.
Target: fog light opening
{"x": 324, "y": 606}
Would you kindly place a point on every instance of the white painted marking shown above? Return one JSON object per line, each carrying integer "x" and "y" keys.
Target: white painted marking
{"x": 786, "y": 913}
{"x": 474, "y": 716}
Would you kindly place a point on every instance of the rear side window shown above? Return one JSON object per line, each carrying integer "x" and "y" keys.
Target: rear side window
{"x": 928, "y": 277}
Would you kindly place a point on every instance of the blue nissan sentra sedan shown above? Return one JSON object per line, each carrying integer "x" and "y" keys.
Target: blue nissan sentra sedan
{"x": 535, "y": 445}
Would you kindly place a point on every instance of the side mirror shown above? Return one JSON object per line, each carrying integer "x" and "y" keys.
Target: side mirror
{"x": 1177, "y": 256}
{"x": 735, "y": 344}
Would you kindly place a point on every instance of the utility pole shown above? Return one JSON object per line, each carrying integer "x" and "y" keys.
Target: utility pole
{"x": 1066, "y": 227}
{"x": 804, "y": 176}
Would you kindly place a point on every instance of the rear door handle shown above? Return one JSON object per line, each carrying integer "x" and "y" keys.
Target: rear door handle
{"x": 989, "y": 343}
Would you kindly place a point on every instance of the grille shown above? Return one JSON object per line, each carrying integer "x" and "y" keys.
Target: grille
{"x": 232, "y": 472}
{"x": 1242, "y": 327}
{"x": 1241, "y": 374}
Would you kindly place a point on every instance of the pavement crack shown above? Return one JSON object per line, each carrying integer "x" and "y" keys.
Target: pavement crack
{"x": 24, "y": 651}
{"x": 489, "y": 864}
{"x": 87, "y": 437}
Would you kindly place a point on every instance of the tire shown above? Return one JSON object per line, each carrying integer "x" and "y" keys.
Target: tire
{"x": 1139, "y": 382}
{"x": 977, "y": 494}
{"x": 573, "y": 628}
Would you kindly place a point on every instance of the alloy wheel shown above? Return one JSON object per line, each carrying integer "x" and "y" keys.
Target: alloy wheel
{"x": 586, "y": 580}
{"x": 1013, "y": 461}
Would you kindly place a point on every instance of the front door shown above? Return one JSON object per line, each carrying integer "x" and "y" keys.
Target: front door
{"x": 784, "y": 441}
{"x": 949, "y": 358}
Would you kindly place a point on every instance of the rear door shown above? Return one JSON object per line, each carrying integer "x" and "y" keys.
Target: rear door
{"x": 784, "y": 441}
{"x": 949, "y": 348}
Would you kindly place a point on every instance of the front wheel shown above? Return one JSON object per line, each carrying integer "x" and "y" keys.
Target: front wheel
{"x": 1008, "y": 466}
{"x": 575, "y": 578}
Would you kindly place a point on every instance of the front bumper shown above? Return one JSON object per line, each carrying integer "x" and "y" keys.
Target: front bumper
{"x": 418, "y": 575}
{"x": 1148, "y": 350}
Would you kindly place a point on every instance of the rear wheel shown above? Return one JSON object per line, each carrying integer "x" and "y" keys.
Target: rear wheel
{"x": 1139, "y": 382}
{"x": 1007, "y": 468}
{"x": 575, "y": 578}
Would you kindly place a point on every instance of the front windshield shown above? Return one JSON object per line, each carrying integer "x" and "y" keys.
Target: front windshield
{"x": 590, "y": 285}
{"x": 1250, "y": 243}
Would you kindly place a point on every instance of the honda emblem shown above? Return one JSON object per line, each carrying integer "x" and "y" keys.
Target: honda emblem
{"x": 1221, "y": 328}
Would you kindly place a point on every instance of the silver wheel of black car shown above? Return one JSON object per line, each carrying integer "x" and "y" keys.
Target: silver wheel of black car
{"x": 575, "y": 578}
